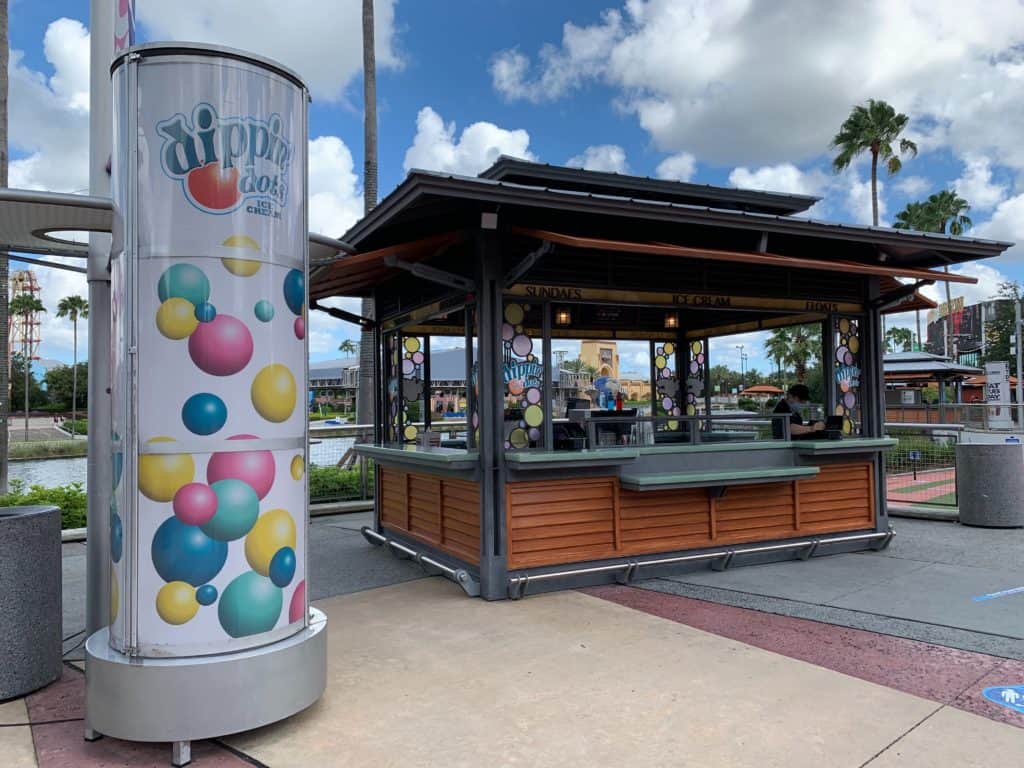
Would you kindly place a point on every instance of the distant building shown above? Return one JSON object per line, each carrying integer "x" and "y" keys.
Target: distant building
{"x": 604, "y": 357}
{"x": 967, "y": 329}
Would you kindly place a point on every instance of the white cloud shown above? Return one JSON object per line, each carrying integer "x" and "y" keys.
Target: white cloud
{"x": 975, "y": 184}
{"x": 320, "y": 39}
{"x": 1007, "y": 224}
{"x": 784, "y": 177}
{"x": 858, "y": 200}
{"x": 601, "y": 157}
{"x": 435, "y": 147}
{"x": 986, "y": 288}
{"x": 699, "y": 76}
{"x": 678, "y": 167}
{"x": 913, "y": 186}
{"x": 335, "y": 198}
{"x": 49, "y": 114}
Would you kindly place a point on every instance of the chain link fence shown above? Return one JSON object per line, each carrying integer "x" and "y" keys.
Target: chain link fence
{"x": 921, "y": 469}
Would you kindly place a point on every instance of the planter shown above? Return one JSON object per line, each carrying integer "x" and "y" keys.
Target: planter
{"x": 30, "y": 599}
{"x": 990, "y": 484}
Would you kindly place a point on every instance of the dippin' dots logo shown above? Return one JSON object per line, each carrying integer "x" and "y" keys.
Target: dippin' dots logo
{"x": 225, "y": 162}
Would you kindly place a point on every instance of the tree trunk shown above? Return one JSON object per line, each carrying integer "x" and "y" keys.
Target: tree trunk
{"x": 874, "y": 186}
{"x": 5, "y": 352}
{"x": 25, "y": 362}
{"x": 74, "y": 381}
{"x": 365, "y": 392}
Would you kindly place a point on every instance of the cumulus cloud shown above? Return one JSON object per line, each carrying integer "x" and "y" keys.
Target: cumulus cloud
{"x": 335, "y": 197}
{"x": 320, "y": 39}
{"x": 601, "y": 157}
{"x": 435, "y": 148}
{"x": 49, "y": 113}
{"x": 1007, "y": 224}
{"x": 784, "y": 177}
{"x": 975, "y": 184}
{"x": 989, "y": 278}
{"x": 698, "y": 76}
{"x": 678, "y": 167}
{"x": 913, "y": 186}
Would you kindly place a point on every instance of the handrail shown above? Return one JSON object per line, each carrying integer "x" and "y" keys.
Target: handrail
{"x": 924, "y": 427}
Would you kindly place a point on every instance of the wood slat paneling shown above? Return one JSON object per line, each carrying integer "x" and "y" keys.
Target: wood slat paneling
{"x": 440, "y": 511}
{"x": 840, "y": 498}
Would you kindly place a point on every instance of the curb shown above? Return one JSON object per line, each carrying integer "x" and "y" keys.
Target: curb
{"x": 948, "y": 515}
{"x": 315, "y": 510}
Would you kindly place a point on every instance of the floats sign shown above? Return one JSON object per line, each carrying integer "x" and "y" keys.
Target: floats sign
{"x": 223, "y": 163}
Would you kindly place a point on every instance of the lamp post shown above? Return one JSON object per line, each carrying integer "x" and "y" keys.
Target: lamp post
{"x": 743, "y": 360}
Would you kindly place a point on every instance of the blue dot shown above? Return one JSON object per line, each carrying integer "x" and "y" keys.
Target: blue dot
{"x": 282, "y": 567}
{"x": 295, "y": 291}
{"x": 204, "y": 413}
{"x": 264, "y": 311}
{"x": 205, "y": 312}
{"x": 206, "y": 594}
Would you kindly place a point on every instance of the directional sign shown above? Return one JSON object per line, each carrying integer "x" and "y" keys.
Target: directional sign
{"x": 914, "y": 455}
{"x": 1009, "y": 696}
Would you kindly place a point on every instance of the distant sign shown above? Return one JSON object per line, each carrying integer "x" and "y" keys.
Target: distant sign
{"x": 946, "y": 308}
{"x": 1009, "y": 696}
{"x": 914, "y": 455}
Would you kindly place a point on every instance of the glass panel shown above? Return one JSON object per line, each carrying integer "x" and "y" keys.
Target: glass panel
{"x": 392, "y": 370}
{"x": 847, "y": 371}
{"x": 697, "y": 377}
{"x": 667, "y": 388}
{"x": 412, "y": 387}
{"x": 525, "y": 410}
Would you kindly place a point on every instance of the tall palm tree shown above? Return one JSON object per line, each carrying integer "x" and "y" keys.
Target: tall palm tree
{"x": 349, "y": 347}
{"x": 873, "y": 127}
{"x": 367, "y": 374}
{"x": 26, "y": 305}
{"x": 74, "y": 307}
{"x": 899, "y": 340}
{"x": 5, "y": 357}
{"x": 944, "y": 212}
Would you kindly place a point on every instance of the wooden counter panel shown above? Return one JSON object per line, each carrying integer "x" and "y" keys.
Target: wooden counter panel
{"x": 659, "y": 521}
{"x": 440, "y": 511}
{"x": 840, "y": 498}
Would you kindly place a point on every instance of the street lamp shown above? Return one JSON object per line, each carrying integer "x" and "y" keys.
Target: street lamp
{"x": 743, "y": 360}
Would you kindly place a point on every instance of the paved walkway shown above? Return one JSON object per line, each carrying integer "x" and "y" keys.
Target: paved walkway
{"x": 421, "y": 675}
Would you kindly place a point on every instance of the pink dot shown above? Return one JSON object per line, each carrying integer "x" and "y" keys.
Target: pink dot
{"x": 666, "y": 403}
{"x": 297, "y": 605}
{"x": 195, "y": 504}
{"x": 221, "y": 347}
{"x": 533, "y": 395}
{"x": 300, "y": 328}
{"x": 253, "y": 467}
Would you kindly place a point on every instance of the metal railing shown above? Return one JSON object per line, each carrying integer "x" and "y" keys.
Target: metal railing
{"x": 921, "y": 469}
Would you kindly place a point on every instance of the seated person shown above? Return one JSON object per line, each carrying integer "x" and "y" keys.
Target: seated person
{"x": 798, "y": 394}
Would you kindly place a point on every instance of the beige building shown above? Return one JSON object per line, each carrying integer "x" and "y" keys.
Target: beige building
{"x": 604, "y": 356}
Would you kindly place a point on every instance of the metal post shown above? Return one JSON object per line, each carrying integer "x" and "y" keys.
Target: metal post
{"x": 1016, "y": 333}
{"x": 547, "y": 373}
{"x": 99, "y": 472}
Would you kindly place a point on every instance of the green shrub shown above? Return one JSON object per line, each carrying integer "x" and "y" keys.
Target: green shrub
{"x": 49, "y": 449}
{"x": 336, "y": 484}
{"x": 81, "y": 426}
{"x": 69, "y": 498}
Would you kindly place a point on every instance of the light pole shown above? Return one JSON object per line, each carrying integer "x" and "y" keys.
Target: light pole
{"x": 743, "y": 359}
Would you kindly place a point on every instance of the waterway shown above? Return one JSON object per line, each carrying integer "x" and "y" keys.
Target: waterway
{"x": 53, "y": 472}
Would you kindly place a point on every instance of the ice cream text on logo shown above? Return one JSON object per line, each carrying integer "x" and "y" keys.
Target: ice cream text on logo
{"x": 225, "y": 162}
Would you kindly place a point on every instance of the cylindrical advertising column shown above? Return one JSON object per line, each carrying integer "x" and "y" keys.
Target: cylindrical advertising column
{"x": 209, "y": 363}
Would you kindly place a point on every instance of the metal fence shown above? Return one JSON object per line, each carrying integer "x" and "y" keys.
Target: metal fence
{"x": 921, "y": 469}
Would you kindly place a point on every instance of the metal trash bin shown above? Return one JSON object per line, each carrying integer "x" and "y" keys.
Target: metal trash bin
{"x": 30, "y": 599}
{"x": 990, "y": 484}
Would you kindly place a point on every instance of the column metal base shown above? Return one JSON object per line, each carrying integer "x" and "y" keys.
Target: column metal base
{"x": 203, "y": 697}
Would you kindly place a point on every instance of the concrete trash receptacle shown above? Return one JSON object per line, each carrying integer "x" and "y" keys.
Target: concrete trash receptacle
{"x": 30, "y": 599}
{"x": 990, "y": 484}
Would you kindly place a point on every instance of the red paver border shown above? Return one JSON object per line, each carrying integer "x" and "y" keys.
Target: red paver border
{"x": 944, "y": 675}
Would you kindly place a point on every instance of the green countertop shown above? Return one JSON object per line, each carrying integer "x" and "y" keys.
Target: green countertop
{"x": 846, "y": 445}
{"x": 446, "y": 458}
{"x": 659, "y": 480}
{"x": 598, "y": 457}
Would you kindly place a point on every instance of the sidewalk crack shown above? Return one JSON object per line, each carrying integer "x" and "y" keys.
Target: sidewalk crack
{"x": 902, "y": 736}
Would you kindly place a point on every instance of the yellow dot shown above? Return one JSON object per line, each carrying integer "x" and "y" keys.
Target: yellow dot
{"x": 273, "y": 393}
{"x": 273, "y": 530}
{"x": 672, "y": 424}
{"x": 513, "y": 314}
{"x": 696, "y": 347}
{"x": 176, "y": 318}
{"x": 298, "y": 467}
{"x": 533, "y": 416}
{"x": 854, "y": 344}
{"x": 411, "y": 432}
{"x": 844, "y": 325}
{"x": 518, "y": 438}
{"x": 162, "y": 474}
{"x": 176, "y": 602}
{"x": 241, "y": 241}
{"x": 847, "y": 426}
{"x": 241, "y": 267}
{"x": 690, "y": 410}
{"x": 115, "y": 595}
{"x": 412, "y": 344}
{"x": 660, "y": 362}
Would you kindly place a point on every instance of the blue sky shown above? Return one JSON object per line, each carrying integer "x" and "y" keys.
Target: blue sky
{"x": 731, "y": 93}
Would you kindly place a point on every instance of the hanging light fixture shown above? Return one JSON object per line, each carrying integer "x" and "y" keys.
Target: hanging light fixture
{"x": 563, "y": 316}
{"x": 671, "y": 319}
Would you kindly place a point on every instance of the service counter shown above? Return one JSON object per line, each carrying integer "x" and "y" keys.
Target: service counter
{"x": 563, "y": 507}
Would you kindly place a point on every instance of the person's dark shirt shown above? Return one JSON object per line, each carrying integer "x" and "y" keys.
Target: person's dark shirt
{"x": 783, "y": 406}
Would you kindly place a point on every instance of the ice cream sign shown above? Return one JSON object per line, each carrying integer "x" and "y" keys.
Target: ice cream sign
{"x": 223, "y": 163}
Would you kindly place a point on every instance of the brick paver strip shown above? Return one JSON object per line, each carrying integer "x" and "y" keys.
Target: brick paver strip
{"x": 61, "y": 745}
{"x": 945, "y": 675}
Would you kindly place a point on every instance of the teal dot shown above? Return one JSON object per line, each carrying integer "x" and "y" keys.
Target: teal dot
{"x": 264, "y": 311}
{"x": 184, "y": 281}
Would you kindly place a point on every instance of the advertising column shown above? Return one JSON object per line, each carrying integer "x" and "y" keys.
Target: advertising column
{"x": 209, "y": 517}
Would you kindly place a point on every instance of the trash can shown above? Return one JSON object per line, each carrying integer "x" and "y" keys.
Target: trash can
{"x": 30, "y": 599}
{"x": 990, "y": 484}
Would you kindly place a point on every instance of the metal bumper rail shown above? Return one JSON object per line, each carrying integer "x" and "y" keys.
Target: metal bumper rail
{"x": 719, "y": 560}
{"x": 460, "y": 576}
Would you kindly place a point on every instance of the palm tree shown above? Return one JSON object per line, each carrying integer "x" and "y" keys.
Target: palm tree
{"x": 74, "y": 307}
{"x": 944, "y": 212}
{"x": 899, "y": 340}
{"x": 26, "y": 305}
{"x": 5, "y": 358}
{"x": 874, "y": 128}
{"x": 797, "y": 345}
{"x": 367, "y": 374}
{"x": 349, "y": 347}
